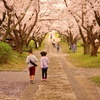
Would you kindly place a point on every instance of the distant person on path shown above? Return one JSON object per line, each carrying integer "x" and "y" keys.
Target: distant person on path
{"x": 31, "y": 58}
{"x": 44, "y": 64}
{"x": 51, "y": 36}
{"x": 74, "y": 47}
{"x": 53, "y": 43}
{"x": 58, "y": 46}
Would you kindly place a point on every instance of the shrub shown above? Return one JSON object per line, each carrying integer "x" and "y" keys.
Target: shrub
{"x": 5, "y": 52}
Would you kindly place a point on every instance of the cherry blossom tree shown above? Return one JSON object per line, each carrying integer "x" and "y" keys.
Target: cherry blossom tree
{"x": 18, "y": 25}
{"x": 33, "y": 21}
{"x": 86, "y": 24}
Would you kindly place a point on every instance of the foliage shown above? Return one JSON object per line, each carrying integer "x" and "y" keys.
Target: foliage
{"x": 5, "y": 52}
{"x": 31, "y": 44}
{"x": 17, "y": 63}
{"x": 57, "y": 34}
{"x": 96, "y": 79}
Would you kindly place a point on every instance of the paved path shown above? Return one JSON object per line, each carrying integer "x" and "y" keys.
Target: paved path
{"x": 65, "y": 82}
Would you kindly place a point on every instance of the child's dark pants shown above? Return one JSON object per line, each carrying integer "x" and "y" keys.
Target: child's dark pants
{"x": 44, "y": 73}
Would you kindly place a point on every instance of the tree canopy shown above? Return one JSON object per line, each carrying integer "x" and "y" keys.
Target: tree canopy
{"x": 27, "y": 20}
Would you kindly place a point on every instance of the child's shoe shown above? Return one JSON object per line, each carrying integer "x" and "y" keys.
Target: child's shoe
{"x": 42, "y": 79}
{"x": 45, "y": 79}
{"x": 31, "y": 81}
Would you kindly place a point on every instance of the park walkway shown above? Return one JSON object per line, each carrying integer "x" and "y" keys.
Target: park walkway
{"x": 65, "y": 81}
{"x": 57, "y": 87}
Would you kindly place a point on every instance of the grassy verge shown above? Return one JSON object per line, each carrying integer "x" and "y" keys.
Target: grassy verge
{"x": 17, "y": 63}
{"x": 85, "y": 60}
{"x": 80, "y": 60}
{"x": 96, "y": 79}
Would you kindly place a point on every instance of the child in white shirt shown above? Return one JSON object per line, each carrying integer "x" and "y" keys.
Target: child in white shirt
{"x": 31, "y": 67}
{"x": 44, "y": 64}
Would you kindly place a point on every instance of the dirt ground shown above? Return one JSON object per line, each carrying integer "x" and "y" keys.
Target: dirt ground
{"x": 65, "y": 81}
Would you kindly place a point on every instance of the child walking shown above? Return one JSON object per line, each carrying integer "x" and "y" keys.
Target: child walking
{"x": 44, "y": 64}
{"x": 31, "y": 67}
{"x": 58, "y": 46}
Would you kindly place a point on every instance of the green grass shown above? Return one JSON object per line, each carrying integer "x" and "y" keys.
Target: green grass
{"x": 17, "y": 63}
{"x": 85, "y": 61}
{"x": 96, "y": 79}
{"x": 57, "y": 35}
{"x": 80, "y": 60}
{"x": 32, "y": 45}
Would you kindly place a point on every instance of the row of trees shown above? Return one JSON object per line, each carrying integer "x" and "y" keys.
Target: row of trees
{"x": 27, "y": 20}
{"x": 86, "y": 16}
{"x": 80, "y": 20}
{"x": 18, "y": 23}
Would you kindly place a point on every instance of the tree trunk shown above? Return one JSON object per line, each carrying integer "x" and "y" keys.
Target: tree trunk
{"x": 86, "y": 49}
{"x": 94, "y": 51}
{"x": 19, "y": 48}
{"x": 36, "y": 44}
{"x": 40, "y": 43}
